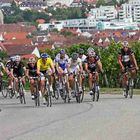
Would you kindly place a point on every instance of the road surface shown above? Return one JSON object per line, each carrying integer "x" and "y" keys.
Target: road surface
{"x": 112, "y": 118}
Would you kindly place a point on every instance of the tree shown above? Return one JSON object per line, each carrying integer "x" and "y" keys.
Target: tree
{"x": 100, "y": 2}
{"x": 3, "y": 54}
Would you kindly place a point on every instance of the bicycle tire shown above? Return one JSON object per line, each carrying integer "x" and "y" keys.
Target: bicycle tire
{"x": 11, "y": 93}
{"x": 4, "y": 90}
{"x": 56, "y": 93}
{"x": 130, "y": 89}
{"x": 97, "y": 95}
{"x": 22, "y": 95}
{"x": 36, "y": 94}
{"x": 77, "y": 92}
{"x": 93, "y": 90}
{"x": 65, "y": 92}
{"x": 48, "y": 96}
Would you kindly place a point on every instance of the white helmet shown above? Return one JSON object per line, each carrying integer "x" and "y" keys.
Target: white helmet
{"x": 17, "y": 58}
{"x": 13, "y": 58}
{"x": 125, "y": 43}
{"x": 91, "y": 52}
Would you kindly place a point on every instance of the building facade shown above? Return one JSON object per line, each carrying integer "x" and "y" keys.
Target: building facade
{"x": 130, "y": 10}
{"x": 104, "y": 13}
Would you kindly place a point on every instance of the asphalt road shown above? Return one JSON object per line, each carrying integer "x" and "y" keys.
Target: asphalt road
{"x": 112, "y": 118}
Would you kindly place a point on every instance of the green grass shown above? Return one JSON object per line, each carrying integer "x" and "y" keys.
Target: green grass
{"x": 116, "y": 91}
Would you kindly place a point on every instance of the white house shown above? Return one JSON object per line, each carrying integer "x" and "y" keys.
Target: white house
{"x": 104, "y": 13}
{"x": 130, "y": 10}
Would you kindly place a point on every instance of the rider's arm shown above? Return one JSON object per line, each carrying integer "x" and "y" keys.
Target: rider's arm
{"x": 52, "y": 66}
{"x": 38, "y": 67}
{"x": 134, "y": 60}
{"x": 81, "y": 67}
{"x": 120, "y": 61}
{"x": 99, "y": 64}
{"x": 12, "y": 74}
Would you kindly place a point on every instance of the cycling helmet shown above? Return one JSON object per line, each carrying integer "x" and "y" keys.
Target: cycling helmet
{"x": 81, "y": 51}
{"x": 32, "y": 60}
{"x": 44, "y": 55}
{"x": 62, "y": 51}
{"x": 74, "y": 56}
{"x": 17, "y": 58}
{"x": 125, "y": 44}
{"x": 13, "y": 58}
{"x": 91, "y": 52}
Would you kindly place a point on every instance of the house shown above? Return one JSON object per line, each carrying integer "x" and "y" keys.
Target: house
{"x": 28, "y": 5}
{"x": 16, "y": 28}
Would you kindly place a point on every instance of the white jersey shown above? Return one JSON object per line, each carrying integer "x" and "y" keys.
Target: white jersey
{"x": 83, "y": 58}
{"x": 74, "y": 64}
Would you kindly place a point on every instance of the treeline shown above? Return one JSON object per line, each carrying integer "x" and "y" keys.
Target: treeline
{"x": 14, "y": 15}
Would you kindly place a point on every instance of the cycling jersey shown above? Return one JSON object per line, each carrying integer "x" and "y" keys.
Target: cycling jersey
{"x": 92, "y": 63}
{"x": 62, "y": 62}
{"x": 32, "y": 70}
{"x": 44, "y": 66}
{"x": 83, "y": 58}
{"x": 18, "y": 70}
{"x": 125, "y": 56}
{"x": 9, "y": 65}
{"x": 74, "y": 66}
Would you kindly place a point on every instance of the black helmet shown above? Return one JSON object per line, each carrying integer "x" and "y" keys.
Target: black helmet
{"x": 81, "y": 51}
{"x": 74, "y": 56}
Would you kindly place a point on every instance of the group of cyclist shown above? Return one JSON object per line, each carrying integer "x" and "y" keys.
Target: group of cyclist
{"x": 79, "y": 64}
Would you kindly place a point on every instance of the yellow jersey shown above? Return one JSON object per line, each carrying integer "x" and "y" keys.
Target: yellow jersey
{"x": 44, "y": 66}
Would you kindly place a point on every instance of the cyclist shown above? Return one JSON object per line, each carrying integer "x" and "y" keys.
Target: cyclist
{"x": 75, "y": 67}
{"x": 18, "y": 70}
{"x": 126, "y": 59}
{"x": 30, "y": 73}
{"x": 92, "y": 62}
{"x": 61, "y": 64}
{"x": 45, "y": 65}
{"x": 2, "y": 68}
{"x": 8, "y": 68}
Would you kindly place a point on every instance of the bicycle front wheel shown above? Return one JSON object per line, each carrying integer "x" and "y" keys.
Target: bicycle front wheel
{"x": 22, "y": 95}
{"x": 131, "y": 88}
{"x": 36, "y": 94}
{"x": 48, "y": 96}
{"x": 4, "y": 90}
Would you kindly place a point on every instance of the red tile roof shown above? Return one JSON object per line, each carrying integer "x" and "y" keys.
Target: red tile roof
{"x": 16, "y": 35}
{"x": 16, "y": 28}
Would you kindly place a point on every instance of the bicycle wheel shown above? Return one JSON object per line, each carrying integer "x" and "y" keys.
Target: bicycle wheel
{"x": 4, "y": 90}
{"x": 56, "y": 91}
{"x": 65, "y": 92}
{"x": 93, "y": 90}
{"x": 11, "y": 93}
{"x": 48, "y": 96}
{"x": 22, "y": 95}
{"x": 77, "y": 92}
{"x": 97, "y": 94}
{"x": 82, "y": 95}
{"x": 36, "y": 94}
{"x": 131, "y": 88}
